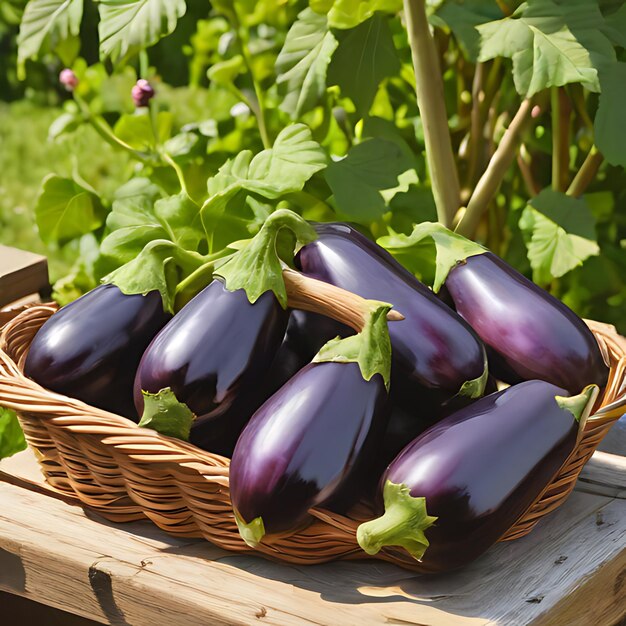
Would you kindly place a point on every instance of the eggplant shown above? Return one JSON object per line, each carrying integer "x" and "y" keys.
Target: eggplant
{"x": 90, "y": 349}
{"x": 308, "y": 445}
{"x": 433, "y": 348}
{"x": 214, "y": 355}
{"x": 456, "y": 489}
{"x": 310, "y": 331}
{"x": 529, "y": 333}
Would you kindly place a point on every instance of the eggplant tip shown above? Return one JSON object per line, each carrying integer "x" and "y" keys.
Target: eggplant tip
{"x": 403, "y": 523}
{"x": 251, "y": 532}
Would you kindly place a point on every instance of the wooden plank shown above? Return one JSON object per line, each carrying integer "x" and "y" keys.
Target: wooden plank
{"x": 21, "y": 274}
{"x": 135, "y": 574}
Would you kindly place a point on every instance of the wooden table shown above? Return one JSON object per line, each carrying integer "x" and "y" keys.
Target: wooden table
{"x": 570, "y": 571}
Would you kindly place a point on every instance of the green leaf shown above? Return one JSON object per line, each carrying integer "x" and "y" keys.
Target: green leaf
{"x": 284, "y": 169}
{"x": 364, "y": 57}
{"x": 371, "y": 348}
{"x": 128, "y": 26}
{"x": 559, "y": 233}
{"x": 450, "y": 249}
{"x": 302, "y": 63}
{"x": 136, "y": 128}
{"x": 610, "y": 121}
{"x": 66, "y": 210}
{"x": 46, "y": 25}
{"x": 350, "y": 13}
{"x": 462, "y": 17}
{"x": 164, "y": 413}
{"x": 11, "y": 436}
{"x": 65, "y": 123}
{"x": 272, "y": 173}
{"x": 257, "y": 268}
{"x": 551, "y": 44}
{"x": 137, "y": 220}
{"x": 225, "y": 72}
{"x": 615, "y": 27}
{"x": 360, "y": 180}
{"x": 160, "y": 266}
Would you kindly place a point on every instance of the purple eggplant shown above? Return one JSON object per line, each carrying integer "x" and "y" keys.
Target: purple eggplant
{"x": 457, "y": 488}
{"x": 213, "y": 355}
{"x": 91, "y": 348}
{"x": 529, "y": 333}
{"x": 433, "y": 348}
{"x": 308, "y": 445}
{"x": 310, "y": 331}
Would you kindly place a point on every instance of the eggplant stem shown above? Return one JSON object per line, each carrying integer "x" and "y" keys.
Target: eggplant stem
{"x": 403, "y": 523}
{"x": 310, "y": 294}
{"x": 580, "y": 406}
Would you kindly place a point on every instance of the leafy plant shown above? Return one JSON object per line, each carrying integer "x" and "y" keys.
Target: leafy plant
{"x": 504, "y": 118}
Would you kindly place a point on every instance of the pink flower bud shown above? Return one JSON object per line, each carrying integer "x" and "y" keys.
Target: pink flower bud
{"x": 142, "y": 93}
{"x": 68, "y": 79}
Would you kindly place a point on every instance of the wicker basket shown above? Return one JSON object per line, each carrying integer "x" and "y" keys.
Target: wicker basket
{"x": 128, "y": 473}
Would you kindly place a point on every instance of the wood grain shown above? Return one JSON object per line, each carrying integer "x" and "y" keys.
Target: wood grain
{"x": 571, "y": 570}
{"x": 21, "y": 274}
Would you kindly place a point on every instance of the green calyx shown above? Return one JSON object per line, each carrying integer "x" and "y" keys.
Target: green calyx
{"x": 450, "y": 249}
{"x": 257, "y": 267}
{"x": 371, "y": 348}
{"x": 580, "y": 405}
{"x": 158, "y": 267}
{"x": 251, "y": 533}
{"x": 403, "y": 523}
{"x": 476, "y": 387}
{"x": 164, "y": 413}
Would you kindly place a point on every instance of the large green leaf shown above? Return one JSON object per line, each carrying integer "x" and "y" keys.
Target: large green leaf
{"x": 364, "y": 57}
{"x": 46, "y": 25}
{"x": 368, "y": 177}
{"x": 559, "y": 232}
{"x": 551, "y": 44}
{"x": 272, "y": 173}
{"x": 137, "y": 220}
{"x": 462, "y": 17}
{"x": 128, "y": 26}
{"x": 610, "y": 122}
{"x": 303, "y": 61}
{"x": 11, "y": 435}
{"x": 351, "y": 13}
{"x": 66, "y": 210}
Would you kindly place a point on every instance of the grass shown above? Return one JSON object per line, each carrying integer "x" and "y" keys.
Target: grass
{"x": 27, "y": 156}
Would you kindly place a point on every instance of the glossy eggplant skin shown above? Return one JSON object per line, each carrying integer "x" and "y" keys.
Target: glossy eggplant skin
{"x": 90, "y": 349}
{"x": 529, "y": 333}
{"x": 480, "y": 468}
{"x": 308, "y": 445}
{"x": 310, "y": 331}
{"x": 214, "y": 355}
{"x": 431, "y": 348}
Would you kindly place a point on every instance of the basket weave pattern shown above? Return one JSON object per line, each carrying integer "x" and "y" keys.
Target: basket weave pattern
{"x": 127, "y": 473}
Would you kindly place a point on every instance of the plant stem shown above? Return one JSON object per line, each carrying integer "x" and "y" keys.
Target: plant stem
{"x": 586, "y": 173}
{"x": 432, "y": 107}
{"x": 561, "y": 110}
{"x": 179, "y": 172}
{"x": 106, "y": 132}
{"x": 257, "y": 108}
{"x": 523, "y": 162}
{"x": 476, "y": 127}
{"x": 491, "y": 179}
{"x": 144, "y": 64}
{"x": 310, "y": 294}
